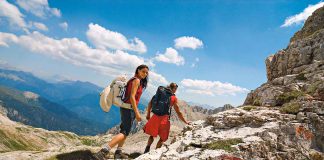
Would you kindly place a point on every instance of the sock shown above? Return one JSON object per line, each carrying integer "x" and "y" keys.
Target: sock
{"x": 106, "y": 147}
{"x": 147, "y": 149}
{"x": 119, "y": 148}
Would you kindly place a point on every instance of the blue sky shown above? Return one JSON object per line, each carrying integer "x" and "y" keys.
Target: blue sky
{"x": 215, "y": 50}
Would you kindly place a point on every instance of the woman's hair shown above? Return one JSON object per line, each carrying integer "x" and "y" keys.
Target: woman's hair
{"x": 172, "y": 85}
{"x": 145, "y": 80}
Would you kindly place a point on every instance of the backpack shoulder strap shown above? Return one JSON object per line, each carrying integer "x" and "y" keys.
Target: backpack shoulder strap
{"x": 170, "y": 107}
{"x": 125, "y": 96}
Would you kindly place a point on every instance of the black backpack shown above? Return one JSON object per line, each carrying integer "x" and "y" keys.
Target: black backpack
{"x": 161, "y": 101}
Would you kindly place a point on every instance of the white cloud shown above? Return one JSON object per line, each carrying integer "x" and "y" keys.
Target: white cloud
{"x": 211, "y": 88}
{"x": 64, "y": 26}
{"x": 187, "y": 42}
{"x": 155, "y": 80}
{"x": 12, "y": 13}
{"x": 78, "y": 53}
{"x": 40, "y": 26}
{"x": 105, "y": 39}
{"x": 170, "y": 56}
{"x": 39, "y": 8}
{"x": 5, "y": 38}
{"x": 158, "y": 79}
{"x": 301, "y": 17}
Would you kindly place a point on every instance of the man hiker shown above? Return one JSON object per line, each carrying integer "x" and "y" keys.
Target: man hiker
{"x": 161, "y": 105}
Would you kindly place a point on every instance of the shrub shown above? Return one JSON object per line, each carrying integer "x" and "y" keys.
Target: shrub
{"x": 249, "y": 108}
{"x": 288, "y": 96}
{"x": 224, "y": 144}
{"x": 88, "y": 142}
{"x": 301, "y": 76}
{"x": 257, "y": 102}
{"x": 290, "y": 108}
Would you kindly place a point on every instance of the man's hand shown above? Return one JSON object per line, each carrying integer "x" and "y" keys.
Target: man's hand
{"x": 148, "y": 116}
{"x": 188, "y": 122}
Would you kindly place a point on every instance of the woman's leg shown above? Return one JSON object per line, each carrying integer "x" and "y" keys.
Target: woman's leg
{"x": 117, "y": 140}
{"x": 127, "y": 118}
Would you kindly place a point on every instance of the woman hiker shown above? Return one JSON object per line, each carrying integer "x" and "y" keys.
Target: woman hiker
{"x": 135, "y": 87}
{"x": 160, "y": 124}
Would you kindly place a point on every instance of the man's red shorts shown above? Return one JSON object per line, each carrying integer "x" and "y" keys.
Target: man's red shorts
{"x": 158, "y": 125}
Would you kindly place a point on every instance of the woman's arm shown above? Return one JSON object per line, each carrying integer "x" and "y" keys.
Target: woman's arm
{"x": 135, "y": 85}
{"x": 176, "y": 108}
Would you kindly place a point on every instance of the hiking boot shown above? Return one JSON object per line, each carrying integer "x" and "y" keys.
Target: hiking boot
{"x": 101, "y": 155}
{"x": 147, "y": 149}
{"x": 120, "y": 155}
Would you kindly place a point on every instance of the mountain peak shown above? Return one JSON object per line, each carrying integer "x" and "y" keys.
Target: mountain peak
{"x": 313, "y": 24}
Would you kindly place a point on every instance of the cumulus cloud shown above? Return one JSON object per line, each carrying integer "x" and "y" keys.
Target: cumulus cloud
{"x": 158, "y": 79}
{"x": 187, "y": 42}
{"x": 12, "y": 14}
{"x": 103, "y": 38}
{"x": 40, "y": 26}
{"x": 39, "y": 8}
{"x": 170, "y": 56}
{"x": 211, "y": 88}
{"x": 301, "y": 17}
{"x": 6, "y": 38}
{"x": 64, "y": 26}
{"x": 77, "y": 52}
{"x": 155, "y": 80}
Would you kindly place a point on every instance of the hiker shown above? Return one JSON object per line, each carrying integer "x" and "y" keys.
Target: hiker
{"x": 161, "y": 105}
{"x": 135, "y": 87}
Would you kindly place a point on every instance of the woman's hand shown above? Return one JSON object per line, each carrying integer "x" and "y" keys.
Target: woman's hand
{"x": 148, "y": 116}
{"x": 138, "y": 117}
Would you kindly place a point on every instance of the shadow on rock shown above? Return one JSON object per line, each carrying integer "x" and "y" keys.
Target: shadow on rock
{"x": 76, "y": 155}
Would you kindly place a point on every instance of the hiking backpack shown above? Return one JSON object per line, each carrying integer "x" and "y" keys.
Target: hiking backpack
{"x": 114, "y": 94}
{"x": 161, "y": 101}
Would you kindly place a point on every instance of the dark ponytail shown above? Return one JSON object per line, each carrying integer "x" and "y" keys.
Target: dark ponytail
{"x": 145, "y": 80}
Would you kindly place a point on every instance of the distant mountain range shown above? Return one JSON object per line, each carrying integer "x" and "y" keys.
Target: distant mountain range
{"x": 206, "y": 106}
{"x": 32, "y": 109}
{"x": 79, "y": 98}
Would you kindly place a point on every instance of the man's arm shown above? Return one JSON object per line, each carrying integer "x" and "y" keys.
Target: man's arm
{"x": 176, "y": 108}
{"x": 149, "y": 108}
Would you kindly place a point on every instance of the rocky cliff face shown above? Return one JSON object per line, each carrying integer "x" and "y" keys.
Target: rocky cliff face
{"x": 240, "y": 133}
{"x": 281, "y": 119}
{"x": 304, "y": 54}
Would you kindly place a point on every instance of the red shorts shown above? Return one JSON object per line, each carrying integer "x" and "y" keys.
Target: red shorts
{"x": 158, "y": 125}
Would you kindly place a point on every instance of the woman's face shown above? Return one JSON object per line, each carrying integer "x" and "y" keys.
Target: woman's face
{"x": 174, "y": 90}
{"x": 143, "y": 73}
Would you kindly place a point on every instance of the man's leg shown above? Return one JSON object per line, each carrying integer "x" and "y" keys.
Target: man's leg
{"x": 159, "y": 144}
{"x": 149, "y": 142}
